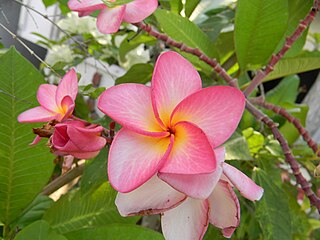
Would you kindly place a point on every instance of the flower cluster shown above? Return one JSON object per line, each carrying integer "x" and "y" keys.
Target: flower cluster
{"x": 168, "y": 159}
{"x": 70, "y": 137}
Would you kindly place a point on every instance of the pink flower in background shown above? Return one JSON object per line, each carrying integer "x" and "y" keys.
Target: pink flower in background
{"x": 170, "y": 128}
{"x": 186, "y": 218}
{"x": 77, "y": 139}
{"x": 56, "y": 102}
{"x": 110, "y": 19}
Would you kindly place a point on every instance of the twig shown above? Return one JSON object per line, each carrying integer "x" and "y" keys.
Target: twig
{"x": 195, "y": 51}
{"x": 281, "y": 111}
{"x": 14, "y": 36}
{"x": 306, "y": 186}
{"x": 81, "y": 44}
{"x": 63, "y": 180}
{"x": 261, "y": 74}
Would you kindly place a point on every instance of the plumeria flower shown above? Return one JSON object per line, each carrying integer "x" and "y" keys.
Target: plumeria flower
{"x": 171, "y": 127}
{"x": 187, "y": 218}
{"x": 110, "y": 19}
{"x": 56, "y": 102}
{"x": 77, "y": 139}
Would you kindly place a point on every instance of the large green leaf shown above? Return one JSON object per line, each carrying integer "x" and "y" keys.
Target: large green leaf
{"x": 183, "y": 30}
{"x": 237, "y": 148}
{"x": 176, "y": 6}
{"x": 298, "y": 9}
{"x": 24, "y": 170}
{"x": 272, "y": 211}
{"x": 190, "y": 5}
{"x": 39, "y": 230}
{"x": 115, "y": 232}
{"x": 138, "y": 73}
{"x": 304, "y": 62}
{"x": 259, "y": 26}
{"x": 76, "y": 210}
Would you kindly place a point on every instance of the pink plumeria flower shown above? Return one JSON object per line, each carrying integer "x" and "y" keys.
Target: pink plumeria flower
{"x": 187, "y": 218}
{"x": 170, "y": 127}
{"x": 56, "y": 102}
{"x": 110, "y": 19}
{"x": 78, "y": 139}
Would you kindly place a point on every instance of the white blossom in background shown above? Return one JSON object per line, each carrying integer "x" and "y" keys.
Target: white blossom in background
{"x": 59, "y": 53}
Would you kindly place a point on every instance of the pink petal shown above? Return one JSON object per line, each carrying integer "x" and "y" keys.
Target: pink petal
{"x": 138, "y": 10}
{"x": 191, "y": 152}
{"x": 134, "y": 159}
{"x": 174, "y": 78}
{"x": 153, "y": 197}
{"x": 85, "y": 5}
{"x": 46, "y": 97}
{"x": 68, "y": 86}
{"x": 84, "y": 155}
{"x": 220, "y": 154}
{"x": 224, "y": 208}
{"x": 110, "y": 19}
{"x": 130, "y": 106}
{"x": 216, "y": 110}
{"x": 37, "y": 114}
{"x": 86, "y": 142}
{"x": 187, "y": 221}
{"x": 67, "y": 105}
{"x": 244, "y": 184}
{"x": 35, "y": 141}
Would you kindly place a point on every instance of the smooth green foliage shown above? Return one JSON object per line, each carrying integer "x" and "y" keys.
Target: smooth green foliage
{"x": 115, "y": 232}
{"x": 285, "y": 91}
{"x": 24, "y": 170}
{"x": 272, "y": 210}
{"x": 95, "y": 173}
{"x": 190, "y": 5}
{"x": 298, "y": 9}
{"x": 132, "y": 41}
{"x": 112, "y": 4}
{"x": 91, "y": 91}
{"x": 183, "y": 30}
{"x": 259, "y": 26}
{"x": 176, "y": 6}
{"x": 213, "y": 233}
{"x": 39, "y": 230}
{"x": 75, "y": 210}
{"x": 303, "y": 62}
{"x": 255, "y": 140}
{"x": 138, "y": 73}
{"x": 34, "y": 211}
{"x": 237, "y": 148}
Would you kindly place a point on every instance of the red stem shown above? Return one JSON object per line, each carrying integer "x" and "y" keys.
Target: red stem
{"x": 261, "y": 74}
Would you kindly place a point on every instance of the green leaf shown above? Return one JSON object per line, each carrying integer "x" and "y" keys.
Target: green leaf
{"x": 24, "y": 170}
{"x": 190, "y": 6}
{"x": 95, "y": 172}
{"x": 237, "y": 148}
{"x": 298, "y": 9}
{"x": 255, "y": 140}
{"x": 34, "y": 211}
{"x": 115, "y": 232}
{"x": 213, "y": 26}
{"x": 285, "y": 91}
{"x": 213, "y": 233}
{"x": 176, "y": 6}
{"x": 112, "y": 4}
{"x": 183, "y": 30}
{"x": 259, "y": 26}
{"x": 49, "y": 3}
{"x": 132, "y": 41}
{"x": 272, "y": 210}
{"x": 304, "y": 62}
{"x": 75, "y": 211}
{"x": 138, "y": 73}
{"x": 39, "y": 230}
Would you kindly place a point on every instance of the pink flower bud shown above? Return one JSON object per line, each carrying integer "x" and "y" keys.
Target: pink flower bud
{"x": 78, "y": 139}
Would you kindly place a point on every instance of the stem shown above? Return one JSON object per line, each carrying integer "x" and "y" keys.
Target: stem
{"x": 281, "y": 111}
{"x": 261, "y": 74}
{"x": 63, "y": 180}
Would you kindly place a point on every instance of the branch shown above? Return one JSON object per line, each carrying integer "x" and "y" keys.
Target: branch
{"x": 261, "y": 74}
{"x": 306, "y": 186}
{"x": 281, "y": 111}
{"x": 63, "y": 180}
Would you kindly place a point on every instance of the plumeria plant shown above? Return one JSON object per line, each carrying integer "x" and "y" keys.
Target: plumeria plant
{"x": 177, "y": 148}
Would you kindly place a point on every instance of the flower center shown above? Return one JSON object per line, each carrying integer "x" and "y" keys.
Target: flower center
{"x": 171, "y": 130}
